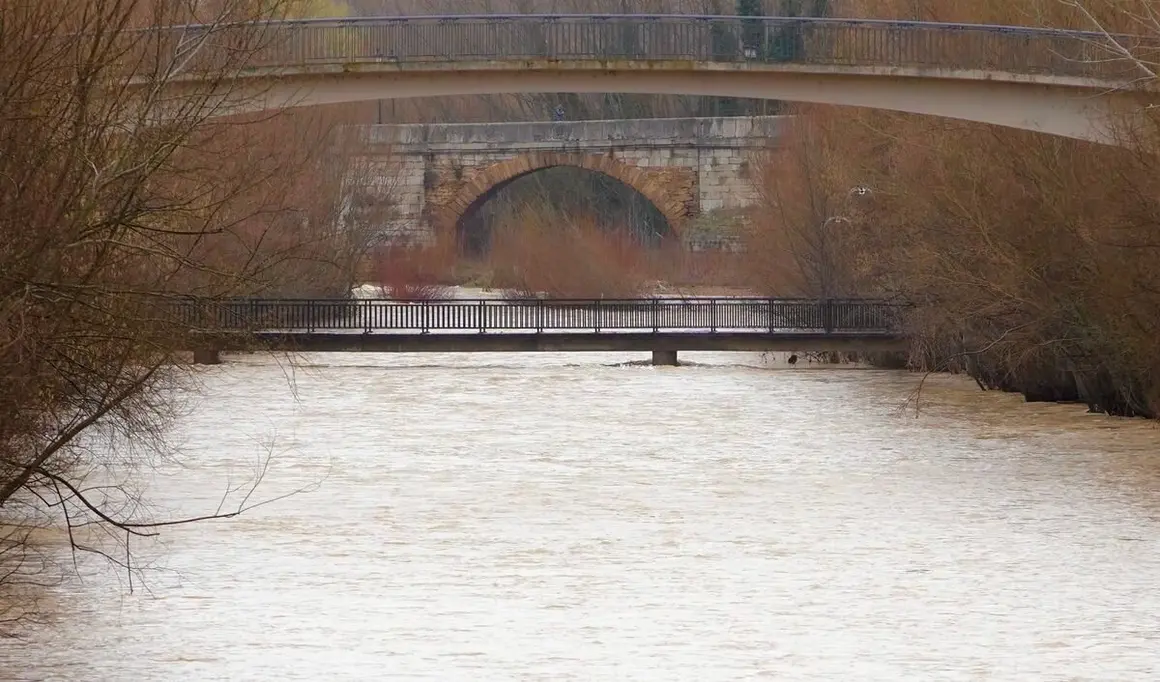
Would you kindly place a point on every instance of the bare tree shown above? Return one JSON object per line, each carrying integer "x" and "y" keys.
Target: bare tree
{"x": 802, "y": 240}
{"x": 1030, "y": 259}
{"x": 119, "y": 194}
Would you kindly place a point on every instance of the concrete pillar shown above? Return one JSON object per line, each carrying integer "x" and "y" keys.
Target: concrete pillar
{"x": 207, "y": 356}
{"x": 665, "y": 358}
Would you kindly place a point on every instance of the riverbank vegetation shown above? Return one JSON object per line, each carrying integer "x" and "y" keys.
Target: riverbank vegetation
{"x": 119, "y": 195}
{"x": 537, "y": 249}
{"x": 1032, "y": 261}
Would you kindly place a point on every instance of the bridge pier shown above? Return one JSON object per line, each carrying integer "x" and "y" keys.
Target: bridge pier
{"x": 665, "y": 358}
{"x": 207, "y": 356}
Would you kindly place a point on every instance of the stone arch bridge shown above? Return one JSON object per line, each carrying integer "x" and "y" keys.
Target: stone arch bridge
{"x": 434, "y": 175}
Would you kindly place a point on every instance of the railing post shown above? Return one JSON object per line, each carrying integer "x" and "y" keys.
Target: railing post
{"x": 656, "y": 315}
{"x": 828, "y": 316}
{"x": 482, "y": 316}
{"x": 713, "y": 316}
{"x": 596, "y": 315}
{"x": 769, "y": 313}
{"x": 539, "y": 316}
{"x": 310, "y": 311}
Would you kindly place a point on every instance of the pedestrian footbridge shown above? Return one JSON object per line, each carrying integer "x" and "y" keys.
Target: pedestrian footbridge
{"x": 663, "y": 326}
{"x": 1060, "y": 82}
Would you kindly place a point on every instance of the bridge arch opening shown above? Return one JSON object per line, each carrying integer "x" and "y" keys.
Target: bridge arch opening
{"x": 594, "y": 190}
{"x": 572, "y": 198}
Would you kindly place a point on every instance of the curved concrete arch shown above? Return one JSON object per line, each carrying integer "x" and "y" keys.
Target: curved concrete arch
{"x": 484, "y": 183}
{"x": 1060, "y": 105}
{"x": 1049, "y": 80}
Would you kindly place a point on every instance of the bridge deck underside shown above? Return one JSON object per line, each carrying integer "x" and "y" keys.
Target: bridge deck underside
{"x": 519, "y": 342}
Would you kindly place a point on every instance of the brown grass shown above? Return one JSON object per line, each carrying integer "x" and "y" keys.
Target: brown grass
{"x": 704, "y": 272}
{"x": 543, "y": 251}
{"x": 538, "y": 253}
{"x": 413, "y": 274}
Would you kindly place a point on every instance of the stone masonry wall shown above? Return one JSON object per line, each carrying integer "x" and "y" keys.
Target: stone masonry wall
{"x": 684, "y": 166}
{"x": 454, "y": 183}
{"x": 726, "y": 179}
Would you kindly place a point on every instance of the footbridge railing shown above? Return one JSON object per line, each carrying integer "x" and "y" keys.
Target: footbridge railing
{"x": 592, "y": 316}
{"x": 795, "y": 40}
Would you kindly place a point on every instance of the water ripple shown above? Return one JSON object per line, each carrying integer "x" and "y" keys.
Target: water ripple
{"x": 550, "y": 517}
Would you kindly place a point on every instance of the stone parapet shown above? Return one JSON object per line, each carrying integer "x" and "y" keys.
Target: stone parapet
{"x": 744, "y": 132}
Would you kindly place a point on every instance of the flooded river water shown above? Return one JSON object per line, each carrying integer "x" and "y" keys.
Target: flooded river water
{"x": 559, "y": 517}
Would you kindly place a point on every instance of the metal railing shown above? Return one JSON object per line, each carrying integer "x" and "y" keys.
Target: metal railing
{"x": 594, "y": 316}
{"x": 808, "y": 41}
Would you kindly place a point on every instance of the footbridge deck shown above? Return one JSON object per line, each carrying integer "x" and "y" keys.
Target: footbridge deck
{"x": 1053, "y": 81}
{"x": 662, "y": 326}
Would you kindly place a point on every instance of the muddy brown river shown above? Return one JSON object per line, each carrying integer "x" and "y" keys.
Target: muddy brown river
{"x": 562, "y": 517}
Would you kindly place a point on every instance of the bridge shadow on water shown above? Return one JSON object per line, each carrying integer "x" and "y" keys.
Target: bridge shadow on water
{"x": 539, "y": 361}
{"x": 532, "y": 362}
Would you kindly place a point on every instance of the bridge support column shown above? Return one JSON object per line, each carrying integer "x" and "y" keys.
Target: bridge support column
{"x": 665, "y": 358}
{"x": 207, "y": 356}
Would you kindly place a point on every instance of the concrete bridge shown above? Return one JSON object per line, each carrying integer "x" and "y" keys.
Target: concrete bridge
{"x": 663, "y": 326}
{"x": 438, "y": 174}
{"x": 1059, "y": 82}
